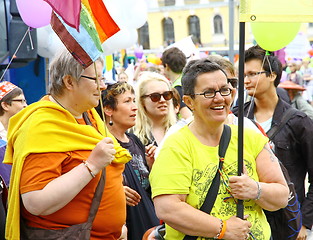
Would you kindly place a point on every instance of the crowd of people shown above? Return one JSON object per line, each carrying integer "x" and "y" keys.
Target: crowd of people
{"x": 300, "y": 73}
{"x": 97, "y": 161}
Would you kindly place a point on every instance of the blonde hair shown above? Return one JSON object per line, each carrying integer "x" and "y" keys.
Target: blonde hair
{"x": 143, "y": 126}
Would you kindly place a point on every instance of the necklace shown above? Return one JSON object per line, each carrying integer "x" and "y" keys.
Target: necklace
{"x": 58, "y": 102}
{"x": 85, "y": 115}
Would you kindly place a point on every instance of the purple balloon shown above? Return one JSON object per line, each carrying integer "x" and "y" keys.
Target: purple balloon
{"x": 35, "y": 13}
{"x": 138, "y": 53}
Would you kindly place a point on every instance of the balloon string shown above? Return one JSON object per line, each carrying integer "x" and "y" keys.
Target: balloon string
{"x": 14, "y": 54}
{"x": 269, "y": 64}
{"x": 30, "y": 39}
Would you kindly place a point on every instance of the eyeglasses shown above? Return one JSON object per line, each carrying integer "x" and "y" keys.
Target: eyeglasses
{"x": 211, "y": 93}
{"x": 155, "y": 97}
{"x": 253, "y": 74}
{"x": 94, "y": 78}
{"x": 19, "y": 100}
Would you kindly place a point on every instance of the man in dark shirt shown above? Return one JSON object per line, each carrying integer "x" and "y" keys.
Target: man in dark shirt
{"x": 293, "y": 144}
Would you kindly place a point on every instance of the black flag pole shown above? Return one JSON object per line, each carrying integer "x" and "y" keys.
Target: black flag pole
{"x": 240, "y": 108}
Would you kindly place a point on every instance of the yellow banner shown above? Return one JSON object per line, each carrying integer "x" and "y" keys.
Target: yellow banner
{"x": 276, "y": 11}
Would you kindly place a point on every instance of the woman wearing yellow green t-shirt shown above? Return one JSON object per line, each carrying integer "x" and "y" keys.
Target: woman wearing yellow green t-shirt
{"x": 188, "y": 160}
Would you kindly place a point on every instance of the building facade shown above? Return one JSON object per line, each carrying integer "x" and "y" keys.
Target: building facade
{"x": 207, "y": 21}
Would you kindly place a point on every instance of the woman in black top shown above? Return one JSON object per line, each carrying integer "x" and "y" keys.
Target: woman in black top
{"x": 120, "y": 109}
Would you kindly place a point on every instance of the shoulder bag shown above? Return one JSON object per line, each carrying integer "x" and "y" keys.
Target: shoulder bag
{"x": 75, "y": 232}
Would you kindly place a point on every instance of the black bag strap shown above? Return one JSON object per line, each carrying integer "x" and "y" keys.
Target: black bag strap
{"x": 212, "y": 193}
{"x": 274, "y": 130}
{"x": 97, "y": 197}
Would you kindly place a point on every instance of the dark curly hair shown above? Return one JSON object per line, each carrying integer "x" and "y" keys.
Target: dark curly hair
{"x": 109, "y": 95}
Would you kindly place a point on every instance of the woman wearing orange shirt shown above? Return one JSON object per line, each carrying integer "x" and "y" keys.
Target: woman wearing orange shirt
{"x": 58, "y": 148}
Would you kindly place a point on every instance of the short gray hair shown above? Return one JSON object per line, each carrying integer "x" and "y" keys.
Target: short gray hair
{"x": 64, "y": 64}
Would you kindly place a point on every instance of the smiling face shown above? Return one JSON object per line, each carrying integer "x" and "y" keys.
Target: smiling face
{"x": 160, "y": 108}
{"x": 87, "y": 93}
{"x": 124, "y": 116}
{"x": 210, "y": 110}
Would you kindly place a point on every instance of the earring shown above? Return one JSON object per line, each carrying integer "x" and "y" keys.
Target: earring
{"x": 111, "y": 122}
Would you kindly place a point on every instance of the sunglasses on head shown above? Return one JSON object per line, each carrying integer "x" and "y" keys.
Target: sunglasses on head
{"x": 155, "y": 97}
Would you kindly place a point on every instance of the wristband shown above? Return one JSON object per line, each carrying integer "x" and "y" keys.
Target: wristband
{"x": 222, "y": 233}
{"x": 258, "y": 195}
{"x": 89, "y": 170}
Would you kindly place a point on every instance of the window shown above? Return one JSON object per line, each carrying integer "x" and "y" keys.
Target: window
{"x": 168, "y": 31}
{"x": 169, "y": 2}
{"x": 194, "y": 28}
{"x": 310, "y": 25}
{"x": 143, "y": 36}
{"x": 218, "y": 24}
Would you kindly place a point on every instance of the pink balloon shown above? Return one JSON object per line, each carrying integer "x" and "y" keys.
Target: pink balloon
{"x": 35, "y": 13}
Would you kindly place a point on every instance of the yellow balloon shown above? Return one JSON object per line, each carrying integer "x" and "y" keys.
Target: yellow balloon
{"x": 274, "y": 36}
{"x": 151, "y": 58}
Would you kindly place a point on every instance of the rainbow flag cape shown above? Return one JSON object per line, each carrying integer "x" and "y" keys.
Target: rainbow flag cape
{"x": 82, "y": 33}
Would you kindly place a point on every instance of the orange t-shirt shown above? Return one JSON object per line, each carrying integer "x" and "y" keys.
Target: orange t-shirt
{"x": 40, "y": 169}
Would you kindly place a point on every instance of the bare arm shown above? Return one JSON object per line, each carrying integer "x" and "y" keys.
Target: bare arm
{"x": 178, "y": 214}
{"x": 60, "y": 191}
{"x": 274, "y": 190}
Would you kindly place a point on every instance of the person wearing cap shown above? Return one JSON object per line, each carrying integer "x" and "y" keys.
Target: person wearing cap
{"x": 12, "y": 100}
{"x": 295, "y": 94}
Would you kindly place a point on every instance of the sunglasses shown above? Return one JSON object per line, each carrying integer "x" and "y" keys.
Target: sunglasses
{"x": 155, "y": 97}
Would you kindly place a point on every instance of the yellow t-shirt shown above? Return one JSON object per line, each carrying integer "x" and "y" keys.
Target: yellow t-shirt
{"x": 186, "y": 166}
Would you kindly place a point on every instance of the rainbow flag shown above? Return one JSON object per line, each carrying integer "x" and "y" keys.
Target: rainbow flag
{"x": 95, "y": 26}
{"x": 71, "y": 17}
